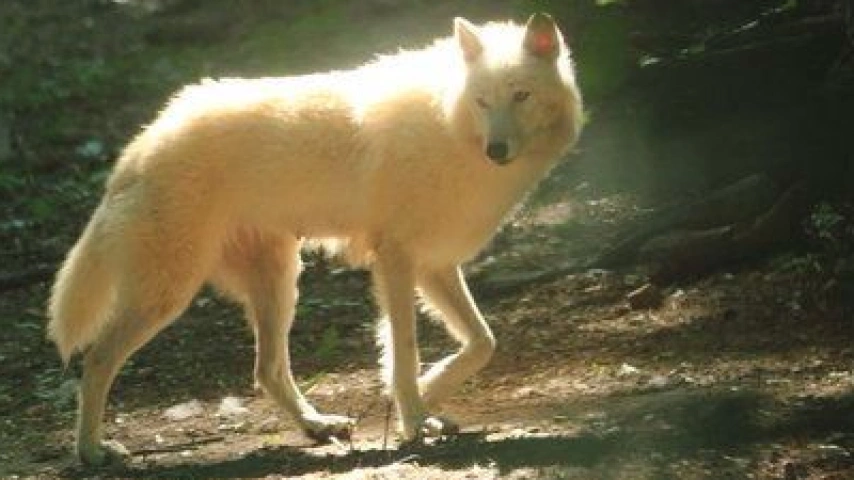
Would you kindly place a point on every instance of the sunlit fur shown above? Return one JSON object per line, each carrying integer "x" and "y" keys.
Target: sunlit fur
{"x": 387, "y": 161}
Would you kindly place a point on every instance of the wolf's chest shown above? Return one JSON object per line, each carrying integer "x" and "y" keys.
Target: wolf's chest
{"x": 451, "y": 219}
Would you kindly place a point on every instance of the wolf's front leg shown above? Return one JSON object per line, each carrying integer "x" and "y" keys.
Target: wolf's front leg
{"x": 395, "y": 286}
{"x": 446, "y": 290}
{"x": 273, "y": 294}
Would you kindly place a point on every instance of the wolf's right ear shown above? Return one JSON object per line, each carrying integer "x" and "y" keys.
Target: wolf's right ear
{"x": 468, "y": 39}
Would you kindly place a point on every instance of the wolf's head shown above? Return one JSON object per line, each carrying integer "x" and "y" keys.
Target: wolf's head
{"x": 519, "y": 90}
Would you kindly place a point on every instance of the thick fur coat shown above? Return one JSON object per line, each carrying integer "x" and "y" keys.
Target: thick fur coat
{"x": 407, "y": 165}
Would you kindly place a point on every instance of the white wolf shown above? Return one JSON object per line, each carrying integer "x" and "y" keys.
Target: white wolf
{"x": 408, "y": 163}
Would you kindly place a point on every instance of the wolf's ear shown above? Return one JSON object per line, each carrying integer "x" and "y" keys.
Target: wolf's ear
{"x": 468, "y": 39}
{"x": 542, "y": 38}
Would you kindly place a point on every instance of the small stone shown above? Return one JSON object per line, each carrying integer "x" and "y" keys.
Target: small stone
{"x": 185, "y": 410}
{"x": 627, "y": 370}
{"x": 91, "y": 149}
{"x": 660, "y": 381}
{"x": 239, "y": 427}
{"x": 526, "y": 392}
{"x": 231, "y": 407}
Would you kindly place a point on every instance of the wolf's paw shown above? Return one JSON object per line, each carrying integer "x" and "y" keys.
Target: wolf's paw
{"x": 106, "y": 453}
{"x": 322, "y": 427}
{"x": 430, "y": 427}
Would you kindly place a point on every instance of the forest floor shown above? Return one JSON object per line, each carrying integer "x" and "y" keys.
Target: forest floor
{"x": 747, "y": 372}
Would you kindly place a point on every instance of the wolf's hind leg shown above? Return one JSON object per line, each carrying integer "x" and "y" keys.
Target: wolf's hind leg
{"x": 271, "y": 282}
{"x": 446, "y": 290}
{"x": 131, "y": 328}
{"x": 155, "y": 279}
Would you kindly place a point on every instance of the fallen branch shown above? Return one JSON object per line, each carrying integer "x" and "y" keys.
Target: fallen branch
{"x": 751, "y": 221}
{"x": 731, "y": 204}
{"x": 179, "y": 447}
{"x": 695, "y": 252}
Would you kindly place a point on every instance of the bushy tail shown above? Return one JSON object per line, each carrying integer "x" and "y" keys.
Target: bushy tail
{"x": 82, "y": 295}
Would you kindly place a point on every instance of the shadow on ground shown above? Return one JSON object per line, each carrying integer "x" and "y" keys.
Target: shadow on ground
{"x": 652, "y": 431}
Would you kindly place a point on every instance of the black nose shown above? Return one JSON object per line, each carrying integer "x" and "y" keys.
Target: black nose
{"x": 497, "y": 150}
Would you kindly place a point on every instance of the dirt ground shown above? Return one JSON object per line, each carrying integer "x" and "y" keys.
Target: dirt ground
{"x": 747, "y": 372}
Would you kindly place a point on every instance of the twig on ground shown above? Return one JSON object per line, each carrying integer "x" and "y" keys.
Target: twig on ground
{"x": 179, "y": 447}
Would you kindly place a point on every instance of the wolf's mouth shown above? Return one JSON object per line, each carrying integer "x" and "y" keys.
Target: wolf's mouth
{"x": 501, "y": 161}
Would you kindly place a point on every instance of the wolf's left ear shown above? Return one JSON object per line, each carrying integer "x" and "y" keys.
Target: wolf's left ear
{"x": 468, "y": 39}
{"x": 542, "y": 38}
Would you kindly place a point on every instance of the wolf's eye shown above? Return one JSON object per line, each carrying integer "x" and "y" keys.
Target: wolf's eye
{"x": 482, "y": 103}
{"x": 520, "y": 96}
